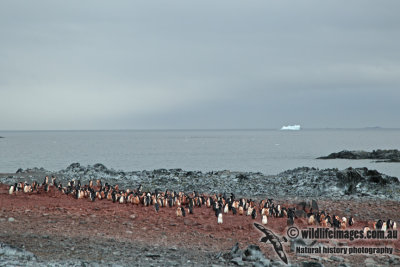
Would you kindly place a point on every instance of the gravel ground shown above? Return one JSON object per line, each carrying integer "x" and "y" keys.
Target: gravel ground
{"x": 51, "y": 229}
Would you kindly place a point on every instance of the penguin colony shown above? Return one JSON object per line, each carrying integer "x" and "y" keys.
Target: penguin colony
{"x": 186, "y": 203}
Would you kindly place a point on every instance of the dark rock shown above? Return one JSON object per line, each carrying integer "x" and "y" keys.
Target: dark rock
{"x": 253, "y": 253}
{"x": 394, "y": 259}
{"x": 311, "y": 264}
{"x": 74, "y": 166}
{"x": 349, "y": 176}
{"x": 295, "y": 243}
{"x": 20, "y": 170}
{"x": 153, "y": 256}
{"x": 242, "y": 177}
{"x": 301, "y": 205}
{"x": 100, "y": 167}
{"x": 337, "y": 258}
{"x": 300, "y": 214}
{"x": 391, "y": 155}
{"x": 235, "y": 251}
{"x": 238, "y": 261}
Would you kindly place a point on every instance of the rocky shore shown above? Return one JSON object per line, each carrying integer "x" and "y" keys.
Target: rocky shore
{"x": 297, "y": 183}
{"x": 391, "y": 155}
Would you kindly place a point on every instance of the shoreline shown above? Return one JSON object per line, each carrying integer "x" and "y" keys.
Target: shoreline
{"x": 302, "y": 182}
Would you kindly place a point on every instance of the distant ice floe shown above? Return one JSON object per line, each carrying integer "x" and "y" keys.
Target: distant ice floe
{"x": 291, "y": 127}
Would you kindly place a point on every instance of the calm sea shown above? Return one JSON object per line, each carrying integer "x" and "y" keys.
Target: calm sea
{"x": 266, "y": 151}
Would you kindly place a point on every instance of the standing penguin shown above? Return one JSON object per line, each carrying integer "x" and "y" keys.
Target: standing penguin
{"x": 234, "y": 211}
{"x": 219, "y": 217}
{"x": 264, "y": 219}
{"x": 254, "y": 214}
{"x": 183, "y": 211}
{"x": 12, "y": 189}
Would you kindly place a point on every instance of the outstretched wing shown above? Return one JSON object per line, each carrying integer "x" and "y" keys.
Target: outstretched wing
{"x": 270, "y": 236}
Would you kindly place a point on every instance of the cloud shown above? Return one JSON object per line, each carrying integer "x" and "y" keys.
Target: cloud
{"x": 93, "y": 64}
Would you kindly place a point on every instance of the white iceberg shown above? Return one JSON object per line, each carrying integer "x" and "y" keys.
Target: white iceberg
{"x": 291, "y": 128}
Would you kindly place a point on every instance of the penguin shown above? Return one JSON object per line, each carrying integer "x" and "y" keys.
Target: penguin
{"x": 390, "y": 224}
{"x": 147, "y": 200}
{"x": 136, "y": 200}
{"x": 234, "y": 211}
{"x": 183, "y": 212}
{"x": 323, "y": 221}
{"x": 26, "y": 188}
{"x": 384, "y": 226}
{"x": 76, "y": 194}
{"x": 92, "y": 195}
{"x": 254, "y": 214}
{"x": 199, "y": 202}
{"x": 335, "y": 221}
{"x": 226, "y": 208}
{"x": 113, "y": 196}
{"x": 190, "y": 209}
{"x": 311, "y": 219}
{"x": 264, "y": 219}
{"x": 208, "y": 202}
{"x": 170, "y": 202}
{"x": 343, "y": 225}
{"x": 271, "y": 210}
{"x": 263, "y": 210}
{"x": 351, "y": 221}
{"x": 219, "y": 220}
{"x": 241, "y": 210}
{"x": 249, "y": 211}
{"x": 329, "y": 219}
{"x": 157, "y": 207}
{"x": 366, "y": 229}
{"x": 378, "y": 225}
{"x": 179, "y": 212}
{"x": 12, "y": 189}
{"x": 121, "y": 199}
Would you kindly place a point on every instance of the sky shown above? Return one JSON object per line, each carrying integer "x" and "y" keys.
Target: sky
{"x": 93, "y": 64}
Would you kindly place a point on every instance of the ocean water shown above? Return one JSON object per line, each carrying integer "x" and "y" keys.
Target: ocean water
{"x": 266, "y": 151}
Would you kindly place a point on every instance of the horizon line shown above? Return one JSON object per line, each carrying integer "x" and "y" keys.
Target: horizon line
{"x": 201, "y": 129}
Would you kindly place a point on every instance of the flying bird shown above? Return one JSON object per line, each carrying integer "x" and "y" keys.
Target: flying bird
{"x": 275, "y": 241}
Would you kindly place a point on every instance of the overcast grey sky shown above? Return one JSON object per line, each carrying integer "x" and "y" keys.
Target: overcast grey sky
{"x": 205, "y": 64}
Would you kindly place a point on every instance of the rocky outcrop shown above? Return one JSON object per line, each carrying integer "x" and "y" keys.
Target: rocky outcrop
{"x": 362, "y": 182}
{"x": 391, "y": 155}
{"x": 297, "y": 183}
{"x": 251, "y": 255}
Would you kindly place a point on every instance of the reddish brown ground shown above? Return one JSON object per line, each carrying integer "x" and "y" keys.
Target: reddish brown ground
{"x": 55, "y": 214}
